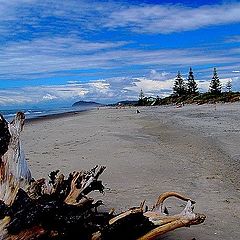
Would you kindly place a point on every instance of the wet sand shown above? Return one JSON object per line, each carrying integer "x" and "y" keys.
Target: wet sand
{"x": 193, "y": 150}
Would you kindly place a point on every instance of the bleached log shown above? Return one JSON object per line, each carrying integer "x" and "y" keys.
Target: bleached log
{"x": 125, "y": 214}
{"x": 159, "y": 206}
{"x": 14, "y": 168}
{"x": 181, "y": 222}
{"x": 158, "y": 222}
{"x": 168, "y": 223}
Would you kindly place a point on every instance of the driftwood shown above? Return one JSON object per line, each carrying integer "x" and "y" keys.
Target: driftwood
{"x": 13, "y": 166}
{"x": 61, "y": 208}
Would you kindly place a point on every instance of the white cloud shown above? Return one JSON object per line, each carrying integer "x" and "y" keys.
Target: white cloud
{"x": 72, "y": 82}
{"x": 158, "y": 75}
{"x": 235, "y": 83}
{"x": 98, "y": 15}
{"x": 99, "y": 89}
{"x": 233, "y": 39}
{"x": 16, "y": 96}
{"x": 203, "y": 85}
{"x": 173, "y": 18}
{"x": 105, "y": 90}
{"x": 155, "y": 83}
{"x": 58, "y": 56}
{"x": 59, "y": 47}
{"x": 101, "y": 86}
{"x": 151, "y": 87}
{"x": 51, "y": 55}
{"x": 49, "y": 97}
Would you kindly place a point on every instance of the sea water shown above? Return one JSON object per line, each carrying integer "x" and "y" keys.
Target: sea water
{"x": 31, "y": 113}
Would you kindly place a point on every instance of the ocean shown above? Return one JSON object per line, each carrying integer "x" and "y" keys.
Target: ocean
{"x": 31, "y": 113}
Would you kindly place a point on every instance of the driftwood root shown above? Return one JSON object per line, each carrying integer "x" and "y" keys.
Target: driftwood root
{"x": 61, "y": 208}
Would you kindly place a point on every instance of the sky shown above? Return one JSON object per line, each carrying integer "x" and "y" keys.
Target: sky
{"x": 59, "y": 52}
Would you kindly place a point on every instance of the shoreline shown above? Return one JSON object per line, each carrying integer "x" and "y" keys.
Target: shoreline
{"x": 56, "y": 115}
{"x": 161, "y": 149}
{"x": 46, "y": 114}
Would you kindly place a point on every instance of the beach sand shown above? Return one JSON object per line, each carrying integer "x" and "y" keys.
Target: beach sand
{"x": 193, "y": 150}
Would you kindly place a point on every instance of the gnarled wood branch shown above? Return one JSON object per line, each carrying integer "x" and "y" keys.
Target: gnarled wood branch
{"x": 168, "y": 223}
{"x": 84, "y": 182}
{"x": 150, "y": 224}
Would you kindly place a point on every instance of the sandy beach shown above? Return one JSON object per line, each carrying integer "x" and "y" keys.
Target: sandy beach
{"x": 193, "y": 150}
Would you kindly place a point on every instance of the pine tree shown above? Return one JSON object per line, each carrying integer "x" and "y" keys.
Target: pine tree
{"x": 191, "y": 84}
{"x": 141, "y": 99}
{"x": 229, "y": 86}
{"x": 179, "y": 87}
{"x": 215, "y": 85}
{"x": 157, "y": 101}
{"x": 141, "y": 94}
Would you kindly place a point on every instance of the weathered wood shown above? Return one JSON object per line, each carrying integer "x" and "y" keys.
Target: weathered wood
{"x": 172, "y": 225}
{"x": 168, "y": 223}
{"x": 28, "y": 234}
{"x": 82, "y": 183}
{"x": 61, "y": 208}
{"x": 14, "y": 168}
{"x": 125, "y": 214}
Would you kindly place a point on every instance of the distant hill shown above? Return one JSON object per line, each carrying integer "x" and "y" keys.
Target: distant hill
{"x": 85, "y": 103}
{"x": 125, "y": 102}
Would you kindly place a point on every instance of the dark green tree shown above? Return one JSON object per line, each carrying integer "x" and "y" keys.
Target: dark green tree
{"x": 141, "y": 100}
{"x": 141, "y": 94}
{"x": 158, "y": 100}
{"x": 215, "y": 84}
{"x": 179, "y": 87}
{"x": 191, "y": 83}
{"x": 229, "y": 86}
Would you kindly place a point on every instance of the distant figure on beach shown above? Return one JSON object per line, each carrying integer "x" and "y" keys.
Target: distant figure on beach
{"x": 137, "y": 111}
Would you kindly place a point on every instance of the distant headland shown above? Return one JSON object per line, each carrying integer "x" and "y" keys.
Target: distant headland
{"x": 86, "y": 103}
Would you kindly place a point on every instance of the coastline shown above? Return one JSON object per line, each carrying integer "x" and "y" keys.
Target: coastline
{"x": 56, "y": 115}
{"x": 41, "y": 114}
{"x": 160, "y": 149}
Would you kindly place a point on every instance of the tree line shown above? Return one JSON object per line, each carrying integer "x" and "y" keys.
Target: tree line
{"x": 181, "y": 88}
{"x": 187, "y": 90}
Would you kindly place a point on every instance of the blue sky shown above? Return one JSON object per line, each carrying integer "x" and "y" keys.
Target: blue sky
{"x": 62, "y": 51}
